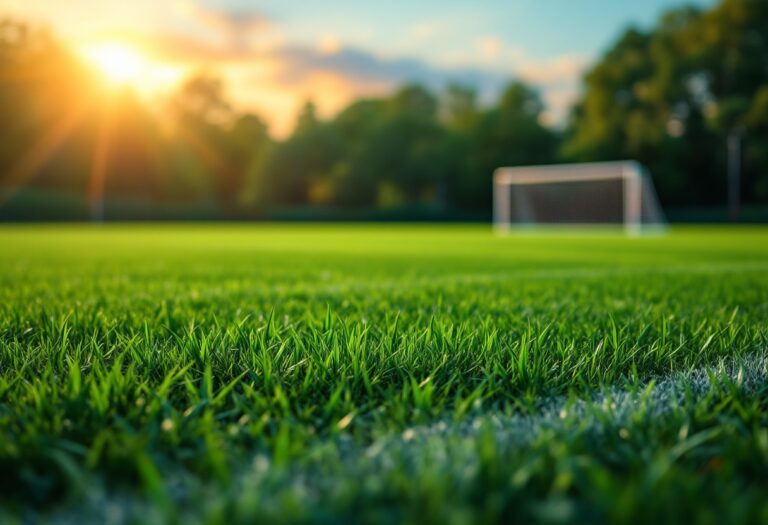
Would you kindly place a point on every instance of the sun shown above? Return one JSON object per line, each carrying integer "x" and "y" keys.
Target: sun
{"x": 119, "y": 63}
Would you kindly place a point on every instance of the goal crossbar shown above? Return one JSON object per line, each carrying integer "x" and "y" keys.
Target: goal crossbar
{"x": 565, "y": 172}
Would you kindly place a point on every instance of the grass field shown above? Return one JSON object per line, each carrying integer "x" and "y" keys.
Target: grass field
{"x": 382, "y": 374}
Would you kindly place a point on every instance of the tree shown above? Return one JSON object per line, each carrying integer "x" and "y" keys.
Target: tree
{"x": 459, "y": 109}
{"x": 247, "y": 146}
{"x": 403, "y": 155}
{"x": 201, "y": 99}
{"x": 409, "y": 158}
{"x": 413, "y": 99}
{"x": 510, "y": 134}
{"x": 225, "y": 146}
{"x": 43, "y": 133}
{"x": 670, "y": 96}
{"x": 352, "y": 182}
{"x": 298, "y": 170}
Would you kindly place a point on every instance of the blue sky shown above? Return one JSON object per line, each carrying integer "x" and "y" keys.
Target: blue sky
{"x": 275, "y": 54}
{"x": 543, "y": 28}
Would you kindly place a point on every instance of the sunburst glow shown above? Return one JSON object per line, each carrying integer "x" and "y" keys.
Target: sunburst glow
{"x": 119, "y": 63}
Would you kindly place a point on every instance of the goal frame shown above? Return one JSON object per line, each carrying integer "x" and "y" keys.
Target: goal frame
{"x": 629, "y": 172}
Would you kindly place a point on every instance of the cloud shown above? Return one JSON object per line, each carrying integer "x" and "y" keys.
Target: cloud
{"x": 426, "y": 30}
{"x": 489, "y": 46}
{"x": 557, "y": 70}
{"x": 266, "y": 73}
{"x": 558, "y": 102}
{"x": 334, "y": 79}
{"x": 297, "y": 64}
{"x": 559, "y": 80}
{"x": 236, "y": 27}
{"x": 228, "y": 21}
{"x": 329, "y": 45}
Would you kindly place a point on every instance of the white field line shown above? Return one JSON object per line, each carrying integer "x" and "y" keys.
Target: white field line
{"x": 443, "y": 448}
{"x": 451, "y": 447}
{"x": 661, "y": 396}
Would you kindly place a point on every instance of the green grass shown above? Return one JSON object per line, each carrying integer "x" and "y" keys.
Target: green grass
{"x": 382, "y": 374}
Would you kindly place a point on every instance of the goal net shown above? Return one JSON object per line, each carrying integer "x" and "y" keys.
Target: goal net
{"x": 603, "y": 193}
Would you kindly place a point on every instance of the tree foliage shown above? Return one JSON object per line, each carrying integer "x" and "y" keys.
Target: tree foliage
{"x": 670, "y": 96}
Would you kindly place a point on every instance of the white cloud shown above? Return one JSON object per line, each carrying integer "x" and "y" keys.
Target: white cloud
{"x": 426, "y": 30}
{"x": 557, "y": 70}
{"x": 559, "y": 80}
{"x": 489, "y": 46}
{"x": 235, "y": 25}
{"x": 329, "y": 45}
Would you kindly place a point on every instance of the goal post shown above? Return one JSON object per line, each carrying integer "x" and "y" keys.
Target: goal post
{"x": 599, "y": 193}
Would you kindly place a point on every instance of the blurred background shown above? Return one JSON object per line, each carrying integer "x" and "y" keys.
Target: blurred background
{"x": 216, "y": 109}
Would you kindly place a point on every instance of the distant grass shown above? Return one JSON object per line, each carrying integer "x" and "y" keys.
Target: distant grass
{"x": 382, "y": 374}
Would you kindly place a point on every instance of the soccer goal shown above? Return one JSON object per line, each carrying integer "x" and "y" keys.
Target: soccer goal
{"x": 601, "y": 193}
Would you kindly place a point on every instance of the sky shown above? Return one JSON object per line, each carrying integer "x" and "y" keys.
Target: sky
{"x": 276, "y": 54}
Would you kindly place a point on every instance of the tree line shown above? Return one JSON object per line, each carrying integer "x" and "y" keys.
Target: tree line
{"x": 668, "y": 96}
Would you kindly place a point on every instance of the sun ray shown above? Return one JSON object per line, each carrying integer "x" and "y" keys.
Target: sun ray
{"x": 209, "y": 155}
{"x": 99, "y": 164}
{"x": 35, "y": 157}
